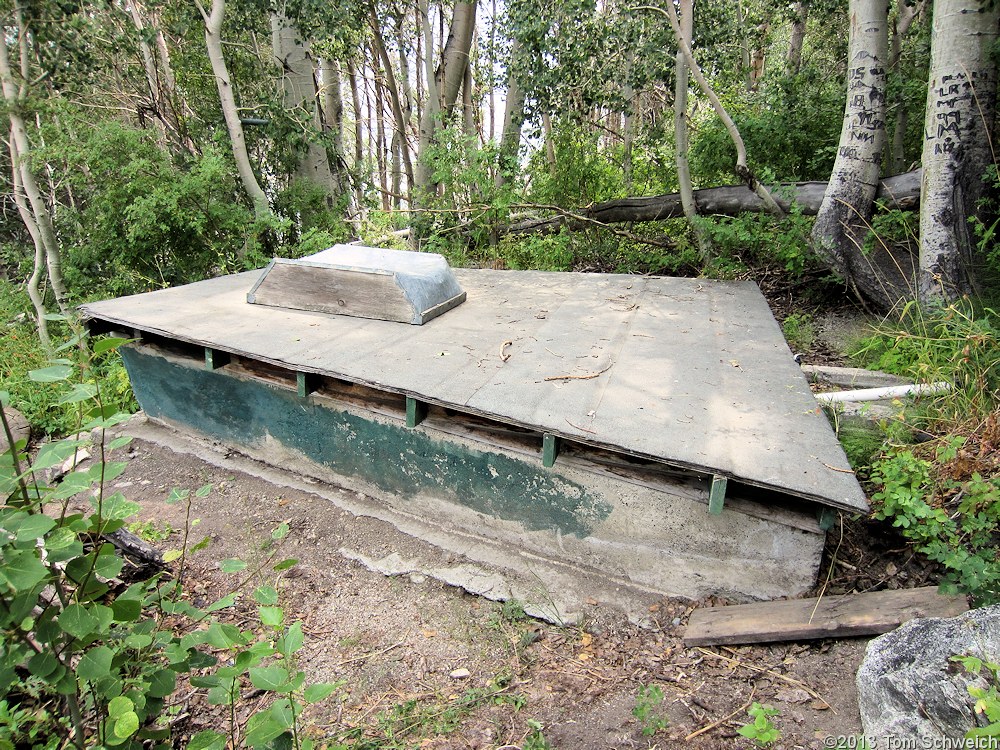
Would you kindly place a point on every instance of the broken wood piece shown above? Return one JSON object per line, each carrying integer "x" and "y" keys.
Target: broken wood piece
{"x": 830, "y": 617}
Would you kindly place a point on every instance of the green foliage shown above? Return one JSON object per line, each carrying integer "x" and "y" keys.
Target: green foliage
{"x": 955, "y": 344}
{"x": 799, "y": 331}
{"x": 760, "y": 241}
{"x": 399, "y": 726}
{"x": 585, "y": 174}
{"x": 941, "y": 495}
{"x": 987, "y": 703}
{"x": 93, "y": 647}
{"x": 954, "y": 522}
{"x": 791, "y": 129}
{"x": 761, "y": 729}
{"x": 647, "y": 707}
{"x": 102, "y": 647}
{"x": 45, "y": 405}
{"x": 151, "y": 531}
{"x": 861, "y": 439}
{"x": 546, "y": 252}
{"x": 535, "y": 739}
{"x": 145, "y": 222}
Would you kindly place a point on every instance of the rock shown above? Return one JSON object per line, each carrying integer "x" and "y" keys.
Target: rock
{"x": 910, "y": 692}
{"x": 460, "y": 674}
{"x": 19, "y": 428}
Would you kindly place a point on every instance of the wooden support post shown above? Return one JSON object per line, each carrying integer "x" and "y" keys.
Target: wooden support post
{"x": 717, "y": 495}
{"x": 306, "y": 382}
{"x": 827, "y": 518}
{"x": 550, "y": 449}
{"x": 214, "y": 358}
{"x": 415, "y": 411}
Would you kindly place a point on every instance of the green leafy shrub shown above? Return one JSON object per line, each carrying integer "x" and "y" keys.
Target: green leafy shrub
{"x": 44, "y": 404}
{"x": 99, "y": 649}
{"x": 760, "y": 241}
{"x": 954, "y": 522}
{"x": 761, "y": 729}
{"x": 647, "y": 708}
{"x": 987, "y": 698}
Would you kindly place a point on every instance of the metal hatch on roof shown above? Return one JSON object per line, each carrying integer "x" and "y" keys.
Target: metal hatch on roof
{"x": 689, "y": 372}
{"x": 364, "y": 282}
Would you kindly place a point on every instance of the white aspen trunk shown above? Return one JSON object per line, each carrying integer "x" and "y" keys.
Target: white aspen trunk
{"x": 395, "y": 98}
{"x": 359, "y": 147}
{"x": 734, "y": 134}
{"x": 20, "y": 146}
{"x": 294, "y": 61}
{"x": 513, "y": 121}
{"x": 333, "y": 124}
{"x": 447, "y": 85}
{"x": 213, "y": 44}
{"x": 797, "y": 37}
{"x": 628, "y": 134}
{"x": 958, "y": 124}
{"x": 31, "y": 285}
{"x": 684, "y": 186}
{"x": 845, "y": 214}
{"x": 152, "y": 77}
{"x": 550, "y": 144}
{"x": 906, "y": 14}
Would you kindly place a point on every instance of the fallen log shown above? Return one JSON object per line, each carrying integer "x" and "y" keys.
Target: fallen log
{"x": 897, "y": 192}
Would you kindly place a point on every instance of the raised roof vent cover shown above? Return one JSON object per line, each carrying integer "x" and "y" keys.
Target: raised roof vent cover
{"x": 366, "y": 282}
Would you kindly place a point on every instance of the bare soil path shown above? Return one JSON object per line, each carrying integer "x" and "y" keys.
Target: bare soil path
{"x": 426, "y": 665}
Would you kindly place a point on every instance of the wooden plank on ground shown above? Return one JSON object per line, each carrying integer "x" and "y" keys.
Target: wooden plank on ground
{"x": 833, "y": 617}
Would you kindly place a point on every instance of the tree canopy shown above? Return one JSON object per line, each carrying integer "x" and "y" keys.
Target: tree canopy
{"x": 151, "y": 143}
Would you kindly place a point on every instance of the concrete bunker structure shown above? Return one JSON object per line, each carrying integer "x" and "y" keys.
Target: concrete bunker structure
{"x": 653, "y": 431}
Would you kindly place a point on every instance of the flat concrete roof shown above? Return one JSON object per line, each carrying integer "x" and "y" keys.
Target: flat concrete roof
{"x": 689, "y": 372}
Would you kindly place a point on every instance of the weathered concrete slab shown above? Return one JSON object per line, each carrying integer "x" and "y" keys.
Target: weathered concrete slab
{"x": 689, "y": 372}
{"x": 655, "y": 539}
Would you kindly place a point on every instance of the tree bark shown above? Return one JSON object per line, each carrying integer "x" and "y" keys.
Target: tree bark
{"x": 359, "y": 148}
{"x": 20, "y": 147}
{"x": 685, "y": 187}
{"x": 905, "y": 17}
{"x": 300, "y": 96}
{"x": 393, "y": 91}
{"x": 447, "y": 80}
{"x": 333, "y": 125}
{"x": 900, "y": 192}
{"x": 844, "y": 218}
{"x": 513, "y": 121}
{"x": 741, "y": 152}
{"x": 31, "y": 285}
{"x": 213, "y": 43}
{"x": 797, "y": 37}
{"x": 958, "y": 125}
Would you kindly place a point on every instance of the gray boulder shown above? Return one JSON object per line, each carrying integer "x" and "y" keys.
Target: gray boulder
{"x": 911, "y": 693}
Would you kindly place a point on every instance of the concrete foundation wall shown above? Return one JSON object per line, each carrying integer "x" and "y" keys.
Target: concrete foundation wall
{"x": 659, "y": 539}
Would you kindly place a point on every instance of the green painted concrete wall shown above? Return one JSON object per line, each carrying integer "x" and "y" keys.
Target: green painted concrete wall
{"x": 395, "y": 459}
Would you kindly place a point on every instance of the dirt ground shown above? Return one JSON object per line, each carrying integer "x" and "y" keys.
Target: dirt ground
{"x": 425, "y": 665}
